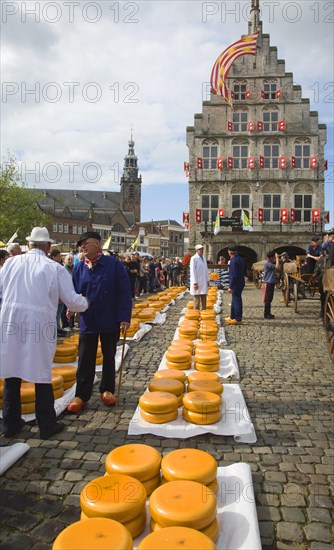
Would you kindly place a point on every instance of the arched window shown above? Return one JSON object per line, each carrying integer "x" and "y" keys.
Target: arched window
{"x": 271, "y": 153}
{"x": 271, "y": 196}
{"x": 240, "y": 90}
{"x": 302, "y": 202}
{"x": 270, "y": 117}
{"x": 240, "y": 120}
{"x": 240, "y": 154}
{"x": 302, "y": 153}
{"x": 210, "y": 154}
{"x": 270, "y": 89}
{"x": 209, "y": 203}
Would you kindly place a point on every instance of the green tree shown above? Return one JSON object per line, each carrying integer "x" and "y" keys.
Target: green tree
{"x": 18, "y": 205}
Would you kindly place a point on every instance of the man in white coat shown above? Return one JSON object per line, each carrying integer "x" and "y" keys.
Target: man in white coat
{"x": 199, "y": 277}
{"x": 31, "y": 286}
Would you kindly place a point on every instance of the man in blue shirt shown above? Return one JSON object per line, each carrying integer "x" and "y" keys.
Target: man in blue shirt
{"x": 236, "y": 285}
{"x": 105, "y": 282}
{"x": 313, "y": 253}
{"x": 269, "y": 278}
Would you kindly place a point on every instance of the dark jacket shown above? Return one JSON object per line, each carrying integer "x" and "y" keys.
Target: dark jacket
{"x": 107, "y": 287}
{"x": 236, "y": 273}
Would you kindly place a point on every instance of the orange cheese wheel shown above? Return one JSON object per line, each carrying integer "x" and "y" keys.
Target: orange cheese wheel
{"x": 206, "y": 385}
{"x": 69, "y": 383}
{"x": 207, "y": 368}
{"x": 136, "y": 459}
{"x": 68, "y": 372}
{"x": 191, "y": 464}
{"x": 57, "y": 381}
{"x": 151, "y": 484}
{"x": 213, "y": 486}
{"x": 27, "y": 392}
{"x": 134, "y": 526}
{"x": 192, "y": 314}
{"x": 156, "y": 306}
{"x": 208, "y": 314}
{"x": 143, "y": 305}
{"x": 201, "y": 418}
{"x": 182, "y": 503}
{"x": 95, "y": 534}
{"x": 58, "y": 393}
{"x": 198, "y": 375}
{"x": 208, "y": 332}
{"x": 186, "y": 337}
{"x": 173, "y": 538}
{"x": 73, "y": 339}
{"x": 66, "y": 349}
{"x": 158, "y": 402}
{"x": 212, "y": 530}
{"x": 183, "y": 342}
{"x": 28, "y": 408}
{"x": 167, "y": 373}
{"x": 208, "y": 338}
{"x": 99, "y": 360}
{"x": 178, "y": 366}
{"x": 167, "y": 385}
{"x": 65, "y": 358}
{"x": 178, "y": 356}
{"x": 147, "y": 313}
{"x": 179, "y": 346}
{"x": 207, "y": 357}
{"x": 190, "y": 305}
{"x": 115, "y": 496}
{"x": 155, "y": 418}
{"x": 202, "y": 402}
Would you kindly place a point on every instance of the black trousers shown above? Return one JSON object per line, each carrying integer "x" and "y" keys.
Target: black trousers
{"x": 268, "y": 298}
{"x": 87, "y": 360}
{"x": 44, "y": 409}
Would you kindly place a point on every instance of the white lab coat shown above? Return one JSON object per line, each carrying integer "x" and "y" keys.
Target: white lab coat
{"x": 199, "y": 274}
{"x": 31, "y": 286}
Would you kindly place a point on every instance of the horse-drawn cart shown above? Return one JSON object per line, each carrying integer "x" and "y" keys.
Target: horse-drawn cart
{"x": 297, "y": 285}
{"x": 328, "y": 284}
{"x": 257, "y": 269}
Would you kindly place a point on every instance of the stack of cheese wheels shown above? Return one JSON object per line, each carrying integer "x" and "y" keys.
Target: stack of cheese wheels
{"x": 146, "y": 314}
{"x": 192, "y": 314}
{"x": 95, "y": 534}
{"x": 159, "y": 407}
{"x": 183, "y": 343}
{"x": 214, "y": 386}
{"x": 208, "y": 330}
{"x": 68, "y": 373}
{"x": 72, "y": 339}
{"x": 133, "y": 328}
{"x": 65, "y": 353}
{"x": 208, "y": 314}
{"x": 202, "y": 375}
{"x": 201, "y": 407}
{"x": 191, "y": 464}
{"x": 115, "y": 496}
{"x": 153, "y": 298}
{"x": 168, "y": 385}
{"x": 207, "y": 356}
{"x": 99, "y": 356}
{"x": 28, "y": 396}
{"x": 190, "y": 305}
{"x": 139, "y": 461}
{"x": 182, "y": 538}
{"x": 178, "y": 357}
{"x": 157, "y": 306}
{"x": 1, "y": 392}
{"x": 171, "y": 373}
{"x": 188, "y": 329}
{"x": 164, "y": 299}
{"x": 184, "y": 503}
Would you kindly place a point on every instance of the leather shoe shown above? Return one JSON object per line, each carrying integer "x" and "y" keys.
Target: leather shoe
{"x": 227, "y": 319}
{"x": 56, "y": 429}
{"x": 13, "y": 431}
{"x": 234, "y": 322}
{"x": 76, "y": 405}
{"x": 108, "y": 398}
{"x": 270, "y": 316}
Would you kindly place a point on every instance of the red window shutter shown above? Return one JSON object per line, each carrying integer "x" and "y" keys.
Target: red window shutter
{"x": 313, "y": 162}
{"x": 282, "y": 125}
{"x": 248, "y": 94}
{"x": 185, "y": 217}
{"x": 293, "y": 162}
{"x": 230, "y": 162}
{"x": 221, "y": 212}
{"x": 260, "y": 215}
{"x": 229, "y": 126}
{"x": 251, "y": 162}
{"x": 186, "y": 166}
{"x": 261, "y": 162}
{"x": 284, "y": 215}
{"x": 282, "y": 162}
{"x": 232, "y": 95}
{"x": 260, "y": 126}
{"x": 186, "y": 225}
{"x": 198, "y": 215}
{"x": 187, "y": 174}
{"x": 251, "y": 126}
{"x": 262, "y": 93}
{"x": 199, "y": 163}
{"x": 278, "y": 94}
{"x": 326, "y": 165}
{"x": 316, "y": 215}
{"x": 292, "y": 215}
{"x": 220, "y": 163}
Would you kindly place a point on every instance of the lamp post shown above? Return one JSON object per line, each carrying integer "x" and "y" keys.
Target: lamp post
{"x": 207, "y": 235}
{"x": 257, "y": 185}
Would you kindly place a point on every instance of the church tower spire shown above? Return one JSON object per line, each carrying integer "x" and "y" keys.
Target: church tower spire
{"x": 255, "y": 24}
{"x": 131, "y": 182}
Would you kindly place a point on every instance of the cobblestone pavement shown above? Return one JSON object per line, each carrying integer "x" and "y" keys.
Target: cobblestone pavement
{"x": 287, "y": 380}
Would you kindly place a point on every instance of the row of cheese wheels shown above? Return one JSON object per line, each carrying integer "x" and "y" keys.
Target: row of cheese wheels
{"x": 67, "y": 351}
{"x": 206, "y": 355}
{"x": 181, "y": 480}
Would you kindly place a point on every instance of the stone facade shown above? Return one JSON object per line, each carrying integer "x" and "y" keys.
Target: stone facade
{"x": 271, "y": 147}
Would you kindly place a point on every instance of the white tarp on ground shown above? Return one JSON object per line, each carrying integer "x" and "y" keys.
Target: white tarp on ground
{"x": 9, "y": 455}
{"x": 228, "y": 364}
{"x": 144, "y": 329}
{"x": 235, "y": 421}
{"x": 236, "y": 513}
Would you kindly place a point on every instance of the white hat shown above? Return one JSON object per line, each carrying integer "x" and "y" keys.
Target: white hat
{"x": 199, "y": 246}
{"x": 40, "y": 235}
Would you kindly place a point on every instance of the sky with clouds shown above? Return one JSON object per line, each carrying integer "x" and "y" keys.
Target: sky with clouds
{"x": 77, "y": 76}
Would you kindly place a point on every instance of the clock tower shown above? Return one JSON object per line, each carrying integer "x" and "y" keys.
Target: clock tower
{"x": 131, "y": 183}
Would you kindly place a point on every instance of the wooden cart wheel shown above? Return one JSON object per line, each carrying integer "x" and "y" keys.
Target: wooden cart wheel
{"x": 329, "y": 322}
{"x": 286, "y": 293}
{"x": 295, "y": 296}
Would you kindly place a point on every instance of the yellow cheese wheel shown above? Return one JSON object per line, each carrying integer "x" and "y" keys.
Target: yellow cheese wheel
{"x": 155, "y": 418}
{"x": 191, "y": 464}
{"x": 95, "y": 534}
{"x": 166, "y": 385}
{"x": 134, "y": 526}
{"x": 158, "y": 402}
{"x": 178, "y": 366}
{"x": 180, "y": 400}
{"x": 190, "y": 305}
{"x": 156, "y": 305}
{"x": 212, "y": 530}
{"x": 201, "y": 418}
{"x": 115, "y": 496}
{"x": 151, "y": 484}
{"x": 69, "y": 383}
{"x": 206, "y": 385}
{"x": 201, "y": 345}
{"x": 181, "y": 503}
{"x": 68, "y": 372}
{"x": 214, "y": 486}
{"x": 193, "y": 336}
{"x": 199, "y": 375}
{"x": 208, "y": 332}
{"x": 154, "y": 298}
{"x": 143, "y": 305}
{"x": 58, "y": 393}
{"x": 183, "y": 342}
{"x": 178, "y": 355}
{"x": 167, "y": 373}
{"x": 66, "y": 349}
{"x": 57, "y": 381}
{"x": 65, "y": 358}
{"x": 173, "y": 538}
{"x": 208, "y": 314}
{"x": 192, "y": 314}
{"x": 207, "y": 368}
{"x": 147, "y": 313}
{"x": 136, "y": 459}
{"x": 202, "y": 402}
{"x": 207, "y": 357}
{"x": 179, "y": 346}
{"x": 99, "y": 360}
{"x": 28, "y": 408}
{"x": 27, "y": 392}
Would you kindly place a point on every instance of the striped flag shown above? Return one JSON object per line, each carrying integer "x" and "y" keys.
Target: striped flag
{"x": 217, "y": 226}
{"x": 222, "y": 66}
{"x": 246, "y": 225}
